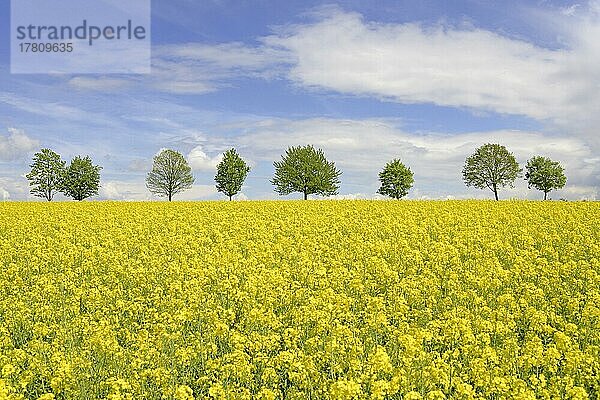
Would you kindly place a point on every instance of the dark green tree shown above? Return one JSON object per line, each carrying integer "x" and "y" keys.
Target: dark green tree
{"x": 170, "y": 174}
{"x": 544, "y": 174}
{"x": 305, "y": 169}
{"x": 492, "y": 166}
{"x": 82, "y": 179}
{"x": 47, "y": 174}
{"x": 231, "y": 173}
{"x": 396, "y": 180}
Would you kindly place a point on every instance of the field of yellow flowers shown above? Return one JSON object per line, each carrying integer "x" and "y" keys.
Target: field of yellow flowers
{"x": 300, "y": 300}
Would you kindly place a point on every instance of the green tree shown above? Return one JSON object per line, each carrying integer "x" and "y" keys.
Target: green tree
{"x": 82, "y": 179}
{"x": 305, "y": 169}
{"x": 492, "y": 166}
{"x": 396, "y": 180}
{"x": 231, "y": 173}
{"x": 170, "y": 174}
{"x": 47, "y": 174}
{"x": 544, "y": 174}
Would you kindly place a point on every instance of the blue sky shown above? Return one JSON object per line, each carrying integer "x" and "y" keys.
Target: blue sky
{"x": 426, "y": 82}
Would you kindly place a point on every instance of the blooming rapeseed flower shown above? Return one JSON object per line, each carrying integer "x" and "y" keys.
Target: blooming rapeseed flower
{"x": 300, "y": 300}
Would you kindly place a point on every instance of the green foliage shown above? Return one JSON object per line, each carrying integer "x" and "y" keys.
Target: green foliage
{"x": 47, "y": 174}
{"x": 396, "y": 180}
{"x": 492, "y": 166}
{"x": 544, "y": 174}
{"x": 82, "y": 179}
{"x": 170, "y": 174}
{"x": 231, "y": 173}
{"x": 305, "y": 169}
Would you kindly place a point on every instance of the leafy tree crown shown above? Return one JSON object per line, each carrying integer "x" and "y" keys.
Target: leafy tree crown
{"x": 231, "y": 173}
{"x": 82, "y": 178}
{"x": 47, "y": 174}
{"x": 171, "y": 174}
{"x": 305, "y": 169}
{"x": 396, "y": 179}
{"x": 492, "y": 166}
{"x": 544, "y": 174}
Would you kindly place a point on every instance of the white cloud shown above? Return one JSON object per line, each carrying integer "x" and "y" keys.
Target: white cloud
{"x": 110, "y": 191}
{"x": 184, "y": 86}
{"x": 34, "y": 104}
{"x": 140, "y": 165}
{"x": 408, "y": 63}
{"x": 136, "y": 191}
{"x": 570, "y": 10}
{"x": 241, "y": 197}
{"x": 197, "y": 192}
{"x": 578, "y": 193}
{"x": 128, "y": 190}
{"x": 101, "y": 83}
{"x": 14, "y": 188}
{"x": 200, "y": 161}
{"x": 226, "y": 59}
{"x": 196, "y": 68}
{"x": 16, "y": 145}
{"x": 444, "y": 65}
{"x": 4, "y": 194}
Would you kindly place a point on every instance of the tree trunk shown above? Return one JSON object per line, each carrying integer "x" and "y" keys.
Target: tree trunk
{"x": 305, "y": 196}
{"x": 496, "y": 192}
{"x": 170, "y": 196}
{"x": 230, "y": 196}
{"x": 545, "y": 195}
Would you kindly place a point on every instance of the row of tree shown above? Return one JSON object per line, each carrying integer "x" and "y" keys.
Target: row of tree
{"x": 306, "y": 170}
{"x": 50, "y": 175}
{"x": 492, "y": 166}
{"x": 303, "y": 169}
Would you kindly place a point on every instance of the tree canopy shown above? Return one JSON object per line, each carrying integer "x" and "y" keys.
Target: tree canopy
{"x": 231, "y": 173}
{"x": 396, "y": 179}
{"x": 544, "y": 174}
{"x": 82, "y": 179}
{"x": 171, "y": 174}
{"x": 305, "y": 169}
{"x": 492, "y": 166}
{"x": 47, "y": 174}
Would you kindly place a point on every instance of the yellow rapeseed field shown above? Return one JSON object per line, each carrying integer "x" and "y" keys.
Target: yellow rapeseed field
{"x": 300, "y": 300}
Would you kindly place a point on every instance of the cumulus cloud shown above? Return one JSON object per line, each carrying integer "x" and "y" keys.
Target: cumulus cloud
{"x": 127, "y": 190}
{"x": 16, "y": 144}
{"x": 110, "y": 191}
{"x": 200, "y": 161}
{"x": 12, "y": 188}
{"x": 444, "y": 65}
